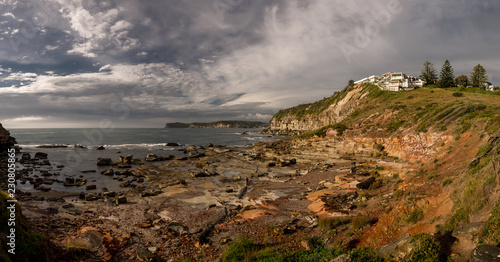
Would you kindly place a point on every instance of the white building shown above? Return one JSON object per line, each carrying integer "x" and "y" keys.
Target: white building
{"x": 393, "y": 81}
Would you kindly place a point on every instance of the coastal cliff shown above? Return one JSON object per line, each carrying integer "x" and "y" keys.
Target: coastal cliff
{"x": 451, "y": 137}
{"x": 219, "y": 124}
{"x": 6, "y": 141}
{"x": 307, "y": 117}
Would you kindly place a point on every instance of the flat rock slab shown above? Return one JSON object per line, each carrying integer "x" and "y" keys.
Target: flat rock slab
{"x": 486, "y": 253}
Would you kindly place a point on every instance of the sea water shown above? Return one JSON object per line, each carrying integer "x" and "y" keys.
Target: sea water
{"x": 137, "y": 142}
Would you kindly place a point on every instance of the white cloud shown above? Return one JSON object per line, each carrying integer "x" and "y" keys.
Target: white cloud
{"x": 98, "y": 31}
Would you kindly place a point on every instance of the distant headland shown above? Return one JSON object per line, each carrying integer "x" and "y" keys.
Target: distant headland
{"x": 219, "y": 124}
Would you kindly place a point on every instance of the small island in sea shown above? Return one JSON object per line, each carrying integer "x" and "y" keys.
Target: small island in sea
{"x": 219, "y": 124}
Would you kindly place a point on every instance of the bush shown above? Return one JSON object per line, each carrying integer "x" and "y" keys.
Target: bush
{"x": 364, "y": 254}
{"x": 458, "y": 94}
{"x": 447, "y": 181}
{"x": 328, "y": 222}
{"x": 359, "y": 222}
{"x": 379, "y": 147}
{"x": 238, "y": 250}
{"x": 426, "y": 249}
{"x": 415, "y": 216}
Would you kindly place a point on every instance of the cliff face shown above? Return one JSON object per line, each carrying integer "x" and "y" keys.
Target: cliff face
{"x": 6, "y": 141}
{"x": 308, "y": 118}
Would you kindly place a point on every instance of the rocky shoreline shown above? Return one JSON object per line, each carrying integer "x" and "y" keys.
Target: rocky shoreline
{"x": 193, "y": 206}
{"x": 196, "y": 204}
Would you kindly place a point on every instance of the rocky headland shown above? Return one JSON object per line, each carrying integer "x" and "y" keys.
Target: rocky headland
{"x": 219, "y": 124}
{"x": 372, "y": 176}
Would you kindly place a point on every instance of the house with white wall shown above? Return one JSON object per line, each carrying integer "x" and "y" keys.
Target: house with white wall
{"x": 393, "y": 81}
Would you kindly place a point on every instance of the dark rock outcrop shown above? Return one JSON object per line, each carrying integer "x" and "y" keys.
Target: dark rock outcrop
{"x": 6, "y": 142}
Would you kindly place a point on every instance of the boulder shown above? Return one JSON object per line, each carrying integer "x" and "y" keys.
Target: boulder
{"x": 100, "y": 148}
{"x": 164, "y": 158}
{"x": 103, "y": 161}
{"x": 48, "y": 181}
{"x": 91, "y": 187}
{"x": 122, "y": 165}
{"x": 124, "y": 173}
{"x": 69, "y": 182}
{"x": 191, "y": 148}
{"x": 108, "y": 172}
{"x": 485, "y": 253}
{"x": 177, "y": 229}
{"x": 342, "y": 258}
{"x": 146, "y": 224}
{"x": 399, "y": 248}
{"x": 172, "y": 144}
{"x": 125, "y": 184}
{"x": 26, "y": 156}
{"x": 127, "y": 159}
{"x": 152, "y": 158}
{"x": 79, "y": 146}
{"x": 341, "y": 202}
{"x": 111, "y": 194}
{"x": 41, "y": 155}
{"x": 89, "y": 171}
{"x": 365, "y": 184}
{"x": 195, "y": 155}
{"x": 120, "y": 200}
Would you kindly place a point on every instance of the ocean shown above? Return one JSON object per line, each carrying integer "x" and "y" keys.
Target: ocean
{"x": 137, "y": 142}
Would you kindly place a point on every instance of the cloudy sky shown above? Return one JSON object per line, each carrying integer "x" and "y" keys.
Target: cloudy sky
{"x": 132, "y": 63}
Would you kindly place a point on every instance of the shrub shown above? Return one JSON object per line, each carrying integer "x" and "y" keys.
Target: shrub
{"x": 447, "y": 181}
{"x": 364, "y": 254}
{"x": 458, "y": 94}
{"x": 491, "y": 233}
{"x": 328, "y": 222}
{"x": 359, "y": 222}
{"x": 416, "y": 215}
{"x": 378, "y": 147}
{"x": 238, "y": 250}
{"x": 427, "y": 249}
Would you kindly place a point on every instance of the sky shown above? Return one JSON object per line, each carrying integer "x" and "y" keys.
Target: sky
{"x": 132, "y": 63}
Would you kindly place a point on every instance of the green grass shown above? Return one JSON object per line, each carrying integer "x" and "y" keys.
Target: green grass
{"x": 491, "y": 233}
{"x": 313, "y": 108}
{"x": 244, "y": 249}
{"x": 328, "y": 222}
{"x": 359, "y": 222}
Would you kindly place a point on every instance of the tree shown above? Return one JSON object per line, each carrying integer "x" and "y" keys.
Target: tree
{"x": 446, "y": 79}
{"x": 478, "y": 76}
{"x": 428, "y": 73}
{"x": 462, "y": 80}
{"x": 351, "y": 82}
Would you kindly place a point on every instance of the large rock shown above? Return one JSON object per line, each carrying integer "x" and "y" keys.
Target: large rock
{"x": 191, "y": 148}
{"x": 398, "y": 248}
{"x": 108, "y": 172}
{"x": 26, "y": 157}
{"x": 365, "y": 184}
{"x": 152, "y": 158}
{"x": 41, "y": 155}
{"x": 104, "y": 161}
{"x": 127, "y": 159}
{"x": 486, "y": 253}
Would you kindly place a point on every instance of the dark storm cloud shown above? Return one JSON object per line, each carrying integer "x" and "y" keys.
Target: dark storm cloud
{"x": 143, "y": 63}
